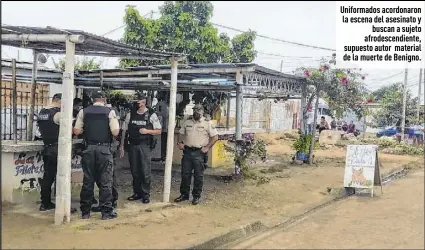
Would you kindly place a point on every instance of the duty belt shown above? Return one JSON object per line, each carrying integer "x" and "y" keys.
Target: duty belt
{"x": 192, "y": 148}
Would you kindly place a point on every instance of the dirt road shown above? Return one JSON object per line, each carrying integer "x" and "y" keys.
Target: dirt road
{"x": 282, "y": 190}
{"x": 389, "y": 221}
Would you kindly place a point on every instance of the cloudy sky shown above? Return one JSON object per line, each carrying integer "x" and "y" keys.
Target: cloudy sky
{"x": 311, "y": 23}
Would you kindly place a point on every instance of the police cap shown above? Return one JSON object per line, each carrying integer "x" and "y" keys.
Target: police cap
{"x": 141, "y": 96}
{"x": 98, "y": 94}
{"x": 57, "y": 96}
{"x": 198, "y": 108}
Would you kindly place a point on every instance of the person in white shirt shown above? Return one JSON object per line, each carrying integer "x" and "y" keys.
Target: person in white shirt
{"x": 310, "y": 119}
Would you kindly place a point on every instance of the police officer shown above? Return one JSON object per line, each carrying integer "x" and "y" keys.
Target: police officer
{"x": 114, "y": 149}
{"x": 48, "y": 123}
{"x": 99, "y": 124}
{"x": 197, "y": 136}
{"x": 141, "y": 123}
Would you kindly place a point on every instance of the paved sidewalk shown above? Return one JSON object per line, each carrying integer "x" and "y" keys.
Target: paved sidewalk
{"x": 394, "y": 220}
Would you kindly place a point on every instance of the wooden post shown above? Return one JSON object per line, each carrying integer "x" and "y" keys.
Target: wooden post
{"x": 101, "y": 79}
{"x": 32, "y": 102}
{"x": 239, "y": 97}
{"x": 63, "y": 177}
{"x": 303, "y": 107}
{"x": 228, "y": 110}
{"x": 313, "y": 137}
{"x": 14, "y": 103}
{"x": 171, "y": 128}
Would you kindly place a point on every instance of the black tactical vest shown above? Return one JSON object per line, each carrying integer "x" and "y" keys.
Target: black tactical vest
{"x": 48, "y": 128}
{"x": 96, "y": 125}
{"x": 137, "y": 122}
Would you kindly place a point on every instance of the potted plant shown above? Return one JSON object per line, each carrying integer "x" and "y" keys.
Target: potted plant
{"x": 302, "y": 147}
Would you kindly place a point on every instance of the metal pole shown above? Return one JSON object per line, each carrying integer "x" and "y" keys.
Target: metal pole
{"x": 15, "y": 103}
{"x": 32, "y": 98}
{"x": 63, "y": 177}
{"x": 228, "y": 111}
{"x": 60, "y": 38}
{"x": 281, "y": 66}
{"x": 239, "y": 96}
{"x": 403, "y": 114}
{"x": 171, "y": 129}
{"x": 418, "y": 107}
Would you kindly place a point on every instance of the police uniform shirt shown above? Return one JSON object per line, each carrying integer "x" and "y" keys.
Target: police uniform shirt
{"x": 197, "y": 133}
{"x": 113, "y": 121}
{"x": 56, "y": 120}
{"x": 154, "y": 120}
{"x": 57, "y": 117}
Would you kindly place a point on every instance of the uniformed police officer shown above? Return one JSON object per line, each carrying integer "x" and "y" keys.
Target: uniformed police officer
{"x": 114, "y": 149}
{"x": 197, "y": 136}
{"x": 48, "y": 123}
{"x": 142, "y": 123}
{"x": 99, "y": 124}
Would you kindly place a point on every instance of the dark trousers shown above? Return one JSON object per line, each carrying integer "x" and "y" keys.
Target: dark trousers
{"x": 193, "y": 160}
{"x": 97, "y": 164}
{"x": 50, "y": 159}
{"x": 164, "y": 136}
{"x": 114, "y": 183}
{"x": 140, "y": 157}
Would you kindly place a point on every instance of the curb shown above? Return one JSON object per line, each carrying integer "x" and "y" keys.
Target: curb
{"x": 258, "y": 227}
{"x": 233, "y": 235}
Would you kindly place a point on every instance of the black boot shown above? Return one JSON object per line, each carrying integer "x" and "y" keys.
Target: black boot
{"x": 195, "y": 200}
{"x": 49, "y": 206}
{"x": 109, "y": 216}
{"x": 96, "y": 209}
{"x": 182, "y": 198}
{"x": 134, "y": 197}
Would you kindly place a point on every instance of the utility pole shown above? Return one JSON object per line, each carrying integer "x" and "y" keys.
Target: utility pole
{"x": 418, "y": 107}
{"x": 281, "y": 66}
{"x": 403, "y": 114}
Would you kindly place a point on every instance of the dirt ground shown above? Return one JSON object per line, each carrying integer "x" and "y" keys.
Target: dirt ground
{"x": 292, "y": 189}
{"x": 394, "y": 220}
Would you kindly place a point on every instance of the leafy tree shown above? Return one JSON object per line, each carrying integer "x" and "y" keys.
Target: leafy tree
{"x": 341, "y": 87}
{"x": 185, "y": 27}
{"x": 85, "y": 64}
{"x": 391, "y": 99}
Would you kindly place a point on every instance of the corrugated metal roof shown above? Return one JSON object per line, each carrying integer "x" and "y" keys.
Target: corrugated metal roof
{"x": 199, "y": 70}
{"x": 26, "y": 65}
{"x": 93, "y": 45}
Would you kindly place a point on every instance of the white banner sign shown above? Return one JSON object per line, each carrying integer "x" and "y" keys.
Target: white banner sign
{"x": 360, "y": 166}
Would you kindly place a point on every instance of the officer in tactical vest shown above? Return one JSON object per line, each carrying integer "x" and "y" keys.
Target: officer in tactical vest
{"x": 48, "y": 123}
{"x": 197, "y": 136}
{"x": 141, "y": 123}
{"x": 114, "y": 149}
{"x": 99, "y": 124}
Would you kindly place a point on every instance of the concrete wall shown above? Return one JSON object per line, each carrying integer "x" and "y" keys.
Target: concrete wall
{"x": 24, "y": 171}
